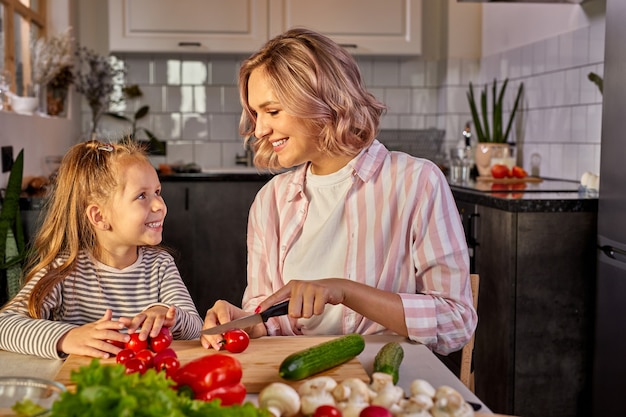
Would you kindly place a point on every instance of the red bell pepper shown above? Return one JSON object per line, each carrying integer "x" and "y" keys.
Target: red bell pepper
{"x": 211, "y": 377}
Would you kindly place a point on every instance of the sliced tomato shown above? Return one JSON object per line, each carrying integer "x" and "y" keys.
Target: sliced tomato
{"x": 518, "y": 172}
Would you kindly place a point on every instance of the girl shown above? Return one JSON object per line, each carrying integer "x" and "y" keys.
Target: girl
{"x": 358, "y": 238}
{"x": 95, "y": 255}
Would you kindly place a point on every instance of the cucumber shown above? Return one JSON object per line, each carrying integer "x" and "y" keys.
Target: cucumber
{"x": 388, "y": 360}
{"x": 318, "y": 358}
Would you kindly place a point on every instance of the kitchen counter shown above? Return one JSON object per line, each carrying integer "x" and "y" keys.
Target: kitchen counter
{"x": 548, "y": 196}
{"x": 419, "y": 362}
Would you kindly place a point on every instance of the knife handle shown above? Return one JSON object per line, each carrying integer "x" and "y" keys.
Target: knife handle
{"x": 280, "y": 309}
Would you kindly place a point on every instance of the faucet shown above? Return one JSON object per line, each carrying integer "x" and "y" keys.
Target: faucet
{"x": 246, "y": 158}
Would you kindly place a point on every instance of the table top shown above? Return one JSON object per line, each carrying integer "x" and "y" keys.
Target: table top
{"x": 419, "y": 362}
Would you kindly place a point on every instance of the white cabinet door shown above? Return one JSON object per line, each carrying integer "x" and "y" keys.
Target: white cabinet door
{"x": 201, "y": 26}
{"x": 366, "y": 27}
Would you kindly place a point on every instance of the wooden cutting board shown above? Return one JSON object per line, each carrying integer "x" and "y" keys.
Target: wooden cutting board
{"x": 508, "y": 180}
{"x": 260, "y": 361}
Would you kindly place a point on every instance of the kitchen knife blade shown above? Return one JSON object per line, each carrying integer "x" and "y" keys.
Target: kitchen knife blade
{"x": 279, "y": 309}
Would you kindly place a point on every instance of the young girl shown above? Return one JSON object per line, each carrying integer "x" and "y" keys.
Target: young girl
{"x": 95, "y": 258}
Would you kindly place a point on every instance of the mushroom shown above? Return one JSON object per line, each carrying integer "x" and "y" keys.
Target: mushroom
{"x": 420, "y": 401}
{"x": 316, "y": 392}
{"x": 387, "y": 394}
{"x": 450, "y": 403}
{"x": 280, "y": 399}
{"x": 352, "y": 396}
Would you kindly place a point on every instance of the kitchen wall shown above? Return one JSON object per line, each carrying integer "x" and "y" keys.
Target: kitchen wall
{"x": 194, "y": 104}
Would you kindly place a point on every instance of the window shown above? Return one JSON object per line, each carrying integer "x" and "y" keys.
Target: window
{"x": 21, "y": 22}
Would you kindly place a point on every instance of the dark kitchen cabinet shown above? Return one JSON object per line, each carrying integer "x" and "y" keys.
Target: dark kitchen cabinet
{"x": 536, "y": 260}
{"x": 206, "y": 227}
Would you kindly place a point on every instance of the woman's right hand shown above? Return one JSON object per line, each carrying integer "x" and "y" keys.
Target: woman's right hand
{"x": 224, "y": 312}
{"x": 94, "y": 339}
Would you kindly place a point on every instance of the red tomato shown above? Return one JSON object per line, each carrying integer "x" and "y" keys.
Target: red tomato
{"x": 327, "y": 411}
{"x": 162, "y": 355}
{"x": 375, "y": 411}
{"x": 146, "y": 356}
{"x": 518, "y": 172}
{"x": 135, "y": 365}
{"x": 124, "y": 355}
{"x": 500, "y": 171}
{"x": 135, "y": 344}
{"x": 162, "y": 341}
{"x": 236, "y": 340}
{"x": 169, "y": 364}
{"x": 116, "y": 343}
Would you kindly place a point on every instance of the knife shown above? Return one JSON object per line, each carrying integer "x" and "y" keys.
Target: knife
{"x": 279, "y": 309}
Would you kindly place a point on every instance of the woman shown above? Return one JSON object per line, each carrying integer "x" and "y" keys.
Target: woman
{"x": 358, "y": 238}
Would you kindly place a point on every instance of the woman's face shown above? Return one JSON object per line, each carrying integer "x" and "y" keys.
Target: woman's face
{"x": 293, "y": 143}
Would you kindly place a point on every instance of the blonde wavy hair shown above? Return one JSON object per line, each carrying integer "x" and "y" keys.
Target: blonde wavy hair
{"x": 317, "y": 81}
{"x": 89, "y": 173}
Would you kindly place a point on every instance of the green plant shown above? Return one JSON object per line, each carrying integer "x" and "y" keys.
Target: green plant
{"x": 132, "y": 92}
{"x": 597, "y": 80}
{"x": 12, "y": 243}
{"x": 495, "y": 134}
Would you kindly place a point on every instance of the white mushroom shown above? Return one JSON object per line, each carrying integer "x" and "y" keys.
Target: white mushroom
{"x": 280, "y": 399}
{"x": 450, "y": 403}
{"x": 387, "y": 394}
{"x": 352, "y": 396}
{"x": 421, "y": 386}
{"x": 316, "y": 392}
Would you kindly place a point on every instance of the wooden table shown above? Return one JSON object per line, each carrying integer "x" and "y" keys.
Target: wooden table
{"x": 419, "y": 362}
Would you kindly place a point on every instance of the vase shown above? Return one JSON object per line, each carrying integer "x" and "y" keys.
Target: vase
{"x": 55, "y": 101}
{"x": 489, "y": 153}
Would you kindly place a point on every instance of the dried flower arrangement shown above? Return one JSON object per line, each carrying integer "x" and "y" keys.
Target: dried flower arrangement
{"x": 98, "y": 78}
{"x": 49, "y": 57}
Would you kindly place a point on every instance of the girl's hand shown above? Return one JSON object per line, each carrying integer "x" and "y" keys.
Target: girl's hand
{"x": 223, "y": 312}
{"x": 151, "y": 321}
{"x": 94, "y": 339}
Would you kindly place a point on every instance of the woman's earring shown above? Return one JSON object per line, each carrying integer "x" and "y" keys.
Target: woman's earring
{"x": 105, "y": 226}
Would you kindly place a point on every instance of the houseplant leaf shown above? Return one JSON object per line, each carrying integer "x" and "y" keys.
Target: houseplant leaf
{"x": 483, "y": 105}
{"x": 475, "y": 117}
{"x": 520, "y": 90}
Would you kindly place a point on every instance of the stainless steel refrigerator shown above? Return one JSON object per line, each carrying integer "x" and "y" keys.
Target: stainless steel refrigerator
{"x": 609, "y": 376}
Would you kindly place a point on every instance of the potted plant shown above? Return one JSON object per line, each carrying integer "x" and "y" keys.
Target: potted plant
{"x": 497, "y": 134}
{"x": 12, "y": 242}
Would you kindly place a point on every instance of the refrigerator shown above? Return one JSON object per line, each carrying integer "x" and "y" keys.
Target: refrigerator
{"x": 609, "y": 363}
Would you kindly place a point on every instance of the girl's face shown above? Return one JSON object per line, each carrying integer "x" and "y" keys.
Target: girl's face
{"x": 137, "y": 210}
{"x": 292, "y": 142}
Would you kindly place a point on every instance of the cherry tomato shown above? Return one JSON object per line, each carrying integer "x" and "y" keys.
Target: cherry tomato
{"x": 162, "y": 341}
{"x": 135, "y": 365}
{"x": 124, "y": 355}
{"x": 169, "y": 364}
{"x": 500, "y": 171}
{"x": 116, "y": 343}
{"x": 162, "y": 355}
{"x": 327, "y": 410}
{"x": 146, "y": 356}
{"x": 236, "y": 340}
{"x": 135, "y": 344}
{"x": 518, "y": 172}
{"x": 375, "y": 411}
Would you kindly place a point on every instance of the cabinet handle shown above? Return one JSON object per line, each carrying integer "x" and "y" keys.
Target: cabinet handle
{"x": 186, "y": 198}
{"x": 349, "y": 45}
{"x": 473, "y": 241}
{"x": 198, "y": 44}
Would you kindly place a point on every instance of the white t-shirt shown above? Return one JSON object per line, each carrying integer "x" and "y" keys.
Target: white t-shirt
{"x": 321, "y": 249}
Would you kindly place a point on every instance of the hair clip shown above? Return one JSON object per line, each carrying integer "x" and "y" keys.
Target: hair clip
{"x": 108, "y": 148}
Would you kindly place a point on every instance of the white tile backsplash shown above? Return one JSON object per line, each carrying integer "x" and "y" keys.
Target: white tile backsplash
{"x": 194, "y": 102}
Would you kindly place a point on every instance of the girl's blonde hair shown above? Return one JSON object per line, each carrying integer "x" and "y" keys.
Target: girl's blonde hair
{"x": 316, "y": 80}
{"x": 89, "y": 173}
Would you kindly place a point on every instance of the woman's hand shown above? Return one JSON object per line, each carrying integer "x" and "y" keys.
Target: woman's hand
{"x": 224, "y": 312}
{"x": 92, "y": 339}
{"x": 308, "y": 298}
{"x": 151, "y": 321}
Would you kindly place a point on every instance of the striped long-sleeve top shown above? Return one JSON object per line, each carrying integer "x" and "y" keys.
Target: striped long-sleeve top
{"x": 404, "y": 236}
{"x": 88, "y": 291}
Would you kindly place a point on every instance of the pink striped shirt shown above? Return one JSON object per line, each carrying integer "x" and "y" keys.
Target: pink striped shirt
{"x": 405, "y": 236}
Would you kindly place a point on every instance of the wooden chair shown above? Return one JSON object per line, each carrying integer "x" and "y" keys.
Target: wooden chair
{"x": 466, "y": 375}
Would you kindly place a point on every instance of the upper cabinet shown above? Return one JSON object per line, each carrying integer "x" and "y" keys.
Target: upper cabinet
{"x": 366, "y": 27}
{"x": 201, "y": 26}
